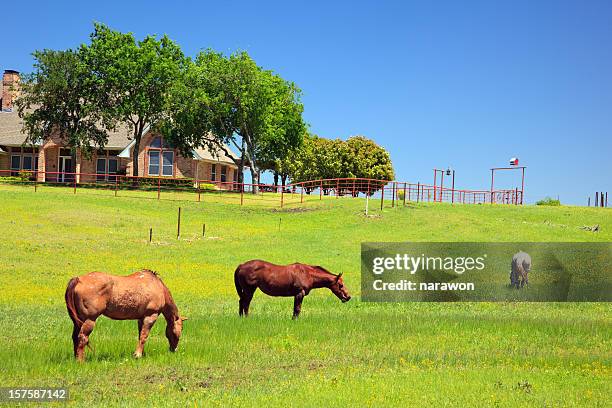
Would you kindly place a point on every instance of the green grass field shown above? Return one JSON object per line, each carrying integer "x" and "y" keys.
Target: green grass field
{"x": 362, "y": 354}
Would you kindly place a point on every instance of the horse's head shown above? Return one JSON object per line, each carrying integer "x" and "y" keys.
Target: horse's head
{"x": 174, "y": 330}
{"x": 339, "y": 289}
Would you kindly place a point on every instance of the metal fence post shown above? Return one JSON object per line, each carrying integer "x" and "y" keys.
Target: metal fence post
{"x": 282, "y": 196}
{"x": 405, "y": 193}
{"x": 158, "y": 187}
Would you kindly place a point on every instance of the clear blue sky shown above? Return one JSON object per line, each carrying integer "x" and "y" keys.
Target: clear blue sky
{"x": 466, "y": 84}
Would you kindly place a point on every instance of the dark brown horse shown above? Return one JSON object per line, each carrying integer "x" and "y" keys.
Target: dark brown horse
{"x": 140, "y": 296}
{"x": 295, "y": 280}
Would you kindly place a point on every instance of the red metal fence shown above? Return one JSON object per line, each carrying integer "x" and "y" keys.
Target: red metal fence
{"x": 389, "y": 193}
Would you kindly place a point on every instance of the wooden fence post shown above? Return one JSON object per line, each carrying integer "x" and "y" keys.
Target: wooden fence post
{"x": 178, "y": 226}
{"x": 382, "y": 197}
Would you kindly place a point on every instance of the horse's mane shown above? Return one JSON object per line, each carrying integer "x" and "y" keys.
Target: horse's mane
{"x": 322, "y": 269}
{"x": 151, "y": 272}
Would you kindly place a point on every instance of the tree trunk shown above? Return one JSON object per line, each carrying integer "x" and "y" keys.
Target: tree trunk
{"x": 275, "y": 179}
{"x": 255, "y": 179}
{"x": 241, "y": 165}
{"x": 135, "y": 167}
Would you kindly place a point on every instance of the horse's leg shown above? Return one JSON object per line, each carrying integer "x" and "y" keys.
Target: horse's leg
{"x": 83, "y": 337}
{"x": 297, "y": 304}
{"x": 246, "y": 299}
{"x": 76, "y": 329}
{"x": 147, "y": 324}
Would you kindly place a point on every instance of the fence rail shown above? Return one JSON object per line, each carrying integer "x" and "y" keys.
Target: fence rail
{"x": 389, "y": 193}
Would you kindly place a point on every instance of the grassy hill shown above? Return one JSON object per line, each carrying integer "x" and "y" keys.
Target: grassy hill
{"x": 466, "y": 354}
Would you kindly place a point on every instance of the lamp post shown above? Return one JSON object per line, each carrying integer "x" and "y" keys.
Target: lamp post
{"x": 448, "y": 172}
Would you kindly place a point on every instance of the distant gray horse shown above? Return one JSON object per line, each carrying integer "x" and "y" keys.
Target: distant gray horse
{"x": 521, "y": 265}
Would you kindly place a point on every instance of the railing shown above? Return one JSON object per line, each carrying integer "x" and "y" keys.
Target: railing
{"x": 389, "y": 193}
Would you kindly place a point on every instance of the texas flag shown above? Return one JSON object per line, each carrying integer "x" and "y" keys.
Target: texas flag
{"x": 514, "y": 161}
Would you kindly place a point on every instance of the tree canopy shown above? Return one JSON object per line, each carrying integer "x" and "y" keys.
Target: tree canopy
{"x": 231, "y": 100}
{"x": 62, "y": 95}
{"x": 320, "y": 158}
{"x": 134, "y": 77}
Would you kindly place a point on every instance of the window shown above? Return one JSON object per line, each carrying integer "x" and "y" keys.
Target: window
{"x": 100, "y": 169}
{"x": 27, "y": 163}
{"x": 156, "y": 142}
{"x": 154, "y": 162}
{"x": 15, "y": 164}
{"x": 106, "y": 168}
{"x": 168, "y": 163}
{"x": 213, "y": 172}
{"x": 224, "y": 173}
{"x": 24, "y": 162}
{"x": 113, "y": 167}
{"x": 161, "y": 158}
{"x": 235, "y": 176}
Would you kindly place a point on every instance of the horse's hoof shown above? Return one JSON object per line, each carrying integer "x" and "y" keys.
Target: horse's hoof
{"x": 137, "y": 355}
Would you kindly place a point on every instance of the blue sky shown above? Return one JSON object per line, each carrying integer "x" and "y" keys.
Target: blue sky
{"x": 466, "y": 84}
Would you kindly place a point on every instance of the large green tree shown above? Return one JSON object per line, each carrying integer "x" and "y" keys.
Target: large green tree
{"x": 62, "y": 96}
{"x": 135, "y": 78}
{"x": 358, "y": 157}
{"x": 231, "y": 100}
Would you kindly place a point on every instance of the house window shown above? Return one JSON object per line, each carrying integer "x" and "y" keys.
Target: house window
{"x": 168, "y": 163}
{"x": 213, "y": 172}
{"x": 154, "y": 162}
{"x": 106, "y": 168}
{"x": 156, "y": 142}
{"x": 27, "y": 163}
{"x": 223, "y": 174}
{"x": 15, "y": 164}
{"x": 160, "y": 158}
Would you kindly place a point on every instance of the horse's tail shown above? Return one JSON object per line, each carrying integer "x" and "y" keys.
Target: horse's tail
{"x": 237, "y": 281}
{"x": 69, "y": 296}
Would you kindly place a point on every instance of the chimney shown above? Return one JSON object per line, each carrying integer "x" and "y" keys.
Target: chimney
{"x": 10, "y": 89}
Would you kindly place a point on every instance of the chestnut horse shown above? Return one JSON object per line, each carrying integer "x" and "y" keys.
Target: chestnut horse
{"x": 140, "y": 296}
{"x": 295, "y": 280}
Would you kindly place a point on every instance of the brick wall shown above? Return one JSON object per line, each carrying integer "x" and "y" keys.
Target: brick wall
{"x": 4, "y": 163}
{"x": 10, "y": 88}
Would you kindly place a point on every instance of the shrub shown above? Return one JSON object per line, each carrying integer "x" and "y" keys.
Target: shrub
{"x": 549, "y": 201}
{"x": 400, "y": 194}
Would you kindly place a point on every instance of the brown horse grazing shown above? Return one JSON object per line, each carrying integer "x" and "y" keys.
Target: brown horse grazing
{"x": 284, "y": 280}
{"x": 140, "y": 296}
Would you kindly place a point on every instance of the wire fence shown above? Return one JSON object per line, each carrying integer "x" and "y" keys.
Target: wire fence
{"x": 388, "y": 193}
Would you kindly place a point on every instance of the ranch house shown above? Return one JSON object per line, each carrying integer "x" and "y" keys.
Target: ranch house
{"x": 53, "y": 161}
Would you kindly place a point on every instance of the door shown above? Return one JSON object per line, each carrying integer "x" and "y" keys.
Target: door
{"x": 65, "y": 167}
